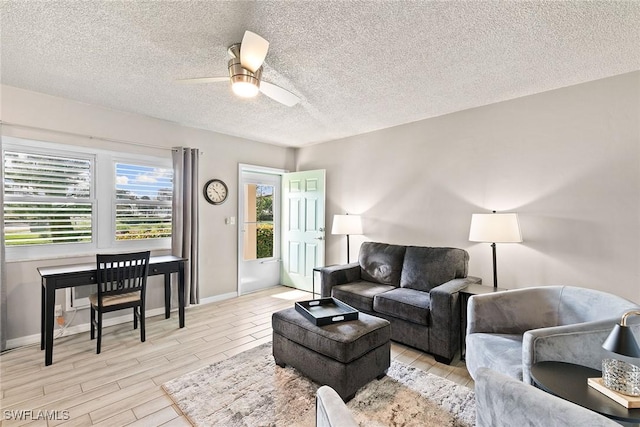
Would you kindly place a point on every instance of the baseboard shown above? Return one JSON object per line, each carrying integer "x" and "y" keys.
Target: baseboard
{"x": 217, "y": 298}
{"x": 86, "y": 327}
{"x": 77, "y": 329}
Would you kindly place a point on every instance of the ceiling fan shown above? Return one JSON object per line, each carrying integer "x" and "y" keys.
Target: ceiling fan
{"x": 245, "y": 71}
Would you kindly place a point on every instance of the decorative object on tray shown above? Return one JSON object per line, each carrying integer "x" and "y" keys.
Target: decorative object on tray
{"x": 620, "y": 380}
{"x": 621, "y": 376}
{"x": 325, "y": 311}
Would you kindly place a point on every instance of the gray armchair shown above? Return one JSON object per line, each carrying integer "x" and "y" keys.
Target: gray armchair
{"x": 502, "y": 401}
{"x": 331, "y": 411}
{"x": 510, "y": 331}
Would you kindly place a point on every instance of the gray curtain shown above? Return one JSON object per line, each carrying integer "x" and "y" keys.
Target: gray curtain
{"x": 184, "y": 238}
{"x": 3, "y": 275}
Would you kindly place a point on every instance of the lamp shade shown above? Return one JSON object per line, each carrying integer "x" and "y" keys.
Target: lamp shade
{"x": 347, "y": 224}
{"x": 495, "y": 228}
{"x": 622, "y": 341}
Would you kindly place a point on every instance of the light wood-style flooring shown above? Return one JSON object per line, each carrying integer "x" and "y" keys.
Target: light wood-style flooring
{"x": 121, "y": 386}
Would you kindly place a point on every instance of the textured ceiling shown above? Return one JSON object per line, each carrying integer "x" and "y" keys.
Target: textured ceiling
{"x": 357, "y": 66}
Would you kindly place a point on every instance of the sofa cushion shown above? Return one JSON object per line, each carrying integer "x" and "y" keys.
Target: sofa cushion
{"x": 403, "y": 303}
{"x": 425, "y": 268}
{"x": 500, "y": 352}
{"x": 381, "y": 262}
{"x": 359, "y": 295}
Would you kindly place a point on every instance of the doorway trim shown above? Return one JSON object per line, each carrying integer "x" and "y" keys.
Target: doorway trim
{"x": 247, "y": 168}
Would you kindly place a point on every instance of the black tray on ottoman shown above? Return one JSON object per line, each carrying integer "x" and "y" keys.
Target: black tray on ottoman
{"x": 326, "y": 311}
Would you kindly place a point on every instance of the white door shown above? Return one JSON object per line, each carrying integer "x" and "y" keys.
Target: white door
{"x": 303, "y": 227}
{"x": 259, "y": 230}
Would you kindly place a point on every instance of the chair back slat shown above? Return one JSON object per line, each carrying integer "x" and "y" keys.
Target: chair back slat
{"x": 122, "y": 273}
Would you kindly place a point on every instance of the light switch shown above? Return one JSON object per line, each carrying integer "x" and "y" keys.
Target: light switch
{"x": 230, "y": 220}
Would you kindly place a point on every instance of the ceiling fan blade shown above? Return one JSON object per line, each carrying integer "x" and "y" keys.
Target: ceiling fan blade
{"x": 276, "y": 93}
{"x": 204, "y": 80}
{"x": 253, "y": 50}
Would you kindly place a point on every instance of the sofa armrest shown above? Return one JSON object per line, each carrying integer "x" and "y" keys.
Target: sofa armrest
{"x": 338, "y": 275}
{"x": 580, "y": 343}
{"x": 512, "y": 312}
{"x": 503, "y": 401}
{"x": 331, "y": 411}
{"x": 444, "y": 337}
{"x": 444, "y": 292}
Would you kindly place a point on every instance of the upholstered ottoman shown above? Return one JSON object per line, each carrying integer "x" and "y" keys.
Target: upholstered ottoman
{"x": 344, "y": 356}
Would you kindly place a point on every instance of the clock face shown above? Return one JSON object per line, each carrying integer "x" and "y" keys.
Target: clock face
{"x": 215, "y": 191}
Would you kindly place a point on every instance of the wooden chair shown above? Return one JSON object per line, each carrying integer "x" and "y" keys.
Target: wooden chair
{"x": 122, "y": 282}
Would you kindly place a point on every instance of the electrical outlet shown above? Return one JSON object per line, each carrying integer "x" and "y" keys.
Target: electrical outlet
{"x": 58, "y": 310}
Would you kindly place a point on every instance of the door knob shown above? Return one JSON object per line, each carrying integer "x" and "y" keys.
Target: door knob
{"x": 320, "y": 238}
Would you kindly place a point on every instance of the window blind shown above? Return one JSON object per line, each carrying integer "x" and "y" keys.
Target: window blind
{"x": 48, "y": 199}
{"x": 142, "y": 201}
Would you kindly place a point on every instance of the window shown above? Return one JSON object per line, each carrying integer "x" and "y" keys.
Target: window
{"x": 259, "y": 227}
{"x": 48, "y": 199}
{"x": 142, "y": 201}
{"x": 59, "y": 195}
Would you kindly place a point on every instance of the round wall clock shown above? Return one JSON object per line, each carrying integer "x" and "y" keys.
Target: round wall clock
{"x": 215, "y": 191}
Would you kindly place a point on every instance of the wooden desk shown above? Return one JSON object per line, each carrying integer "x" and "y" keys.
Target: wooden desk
{"x": 67, "y": 276}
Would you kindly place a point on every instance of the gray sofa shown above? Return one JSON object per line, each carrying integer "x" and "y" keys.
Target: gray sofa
{"x": 510, "y": 331}
{"x": 503, "y": 401}
{"x": 415, "y": 288}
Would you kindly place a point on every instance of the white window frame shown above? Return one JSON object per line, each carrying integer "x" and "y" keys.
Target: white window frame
{"x": 141, "y": 244}
{"x": 103, "y": 208}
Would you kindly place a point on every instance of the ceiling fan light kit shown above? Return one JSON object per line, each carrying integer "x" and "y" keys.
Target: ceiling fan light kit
{"x": 244, "y": 83}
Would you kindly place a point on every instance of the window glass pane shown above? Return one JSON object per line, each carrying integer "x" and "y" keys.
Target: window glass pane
{"x": 140, "y": 221}
{"x": 136, "y": 182}
{"x": 28, "y": 174}
{"x": 47, "y": 223}
{"x": 259, "y": 226}
{"x": 43, "y": 199}
{"x": 143, "y": 202}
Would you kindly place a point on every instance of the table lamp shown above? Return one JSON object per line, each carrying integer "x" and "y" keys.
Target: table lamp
{"x": 618, "y": 375}
{"x": 347, "y": 225}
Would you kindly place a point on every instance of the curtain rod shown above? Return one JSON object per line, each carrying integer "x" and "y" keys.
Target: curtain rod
{"x": 119, "y": 141}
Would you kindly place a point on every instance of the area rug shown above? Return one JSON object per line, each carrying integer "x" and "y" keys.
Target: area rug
{"x": 250, "y": 390}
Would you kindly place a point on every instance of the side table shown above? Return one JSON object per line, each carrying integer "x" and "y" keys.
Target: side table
{"x": 465, "y": 294}
{"x": 569, "y": 382}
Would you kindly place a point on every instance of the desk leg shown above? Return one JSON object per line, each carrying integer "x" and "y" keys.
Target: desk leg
{"x": 50, "y": 297}
{"x": 181, "y": 294}
{"x": 43, "y": 299}
{"x": 167, "y": 295}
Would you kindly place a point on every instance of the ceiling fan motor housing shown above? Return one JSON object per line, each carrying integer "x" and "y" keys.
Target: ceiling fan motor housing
{"x": 241, "y": 74}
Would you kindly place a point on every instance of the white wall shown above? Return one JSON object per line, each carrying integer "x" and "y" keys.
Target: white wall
{"x": 222, "y": 153}
{"x": 568, "y": 161}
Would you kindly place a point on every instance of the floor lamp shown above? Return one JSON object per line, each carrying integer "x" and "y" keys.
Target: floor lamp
{"x": 495, "y": 228}
{"x": 347, "y": 225}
